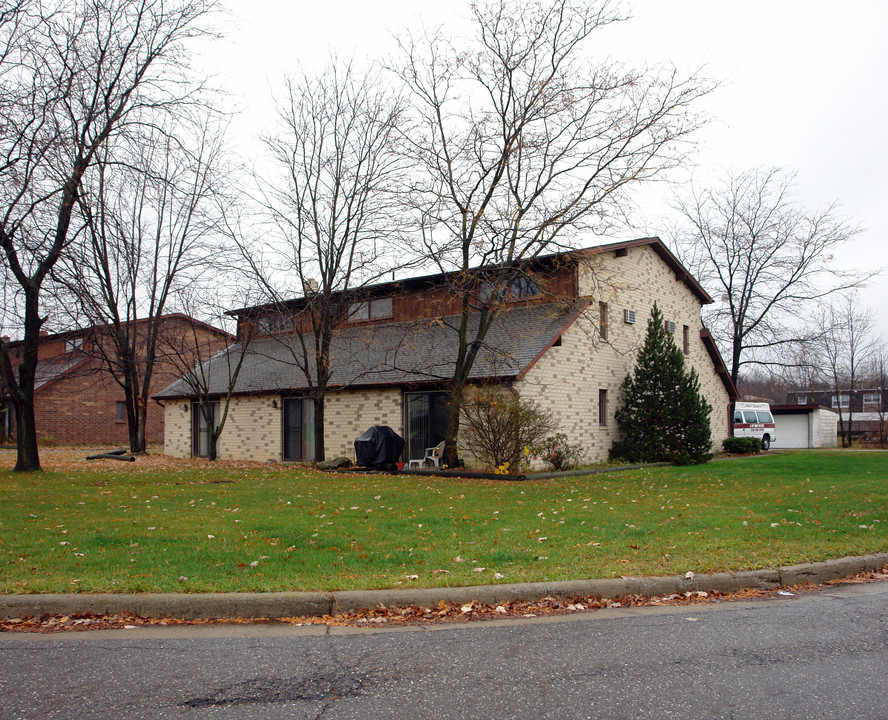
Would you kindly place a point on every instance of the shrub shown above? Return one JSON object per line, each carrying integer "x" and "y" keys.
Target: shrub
{"x": 499, "y": 427}
{"x": 557, "y": 452}
{"x": 742, "y": 445}
{"x": 664, "y": 416}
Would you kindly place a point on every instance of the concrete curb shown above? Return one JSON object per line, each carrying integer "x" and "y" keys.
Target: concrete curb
{"x": 315, "y": 604}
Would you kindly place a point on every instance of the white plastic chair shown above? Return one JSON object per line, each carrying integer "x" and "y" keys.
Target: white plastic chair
{"x": 433, "y": 455}
{"x": 432, "y": 458}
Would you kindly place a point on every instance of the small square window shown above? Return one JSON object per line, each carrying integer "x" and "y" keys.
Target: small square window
{"x": 74, "y": 344}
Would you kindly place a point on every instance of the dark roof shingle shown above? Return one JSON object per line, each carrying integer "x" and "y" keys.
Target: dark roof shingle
{"x": 391, "y": 353}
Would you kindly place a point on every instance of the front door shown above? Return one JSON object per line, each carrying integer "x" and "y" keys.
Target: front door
{"x": 425, "y": 422}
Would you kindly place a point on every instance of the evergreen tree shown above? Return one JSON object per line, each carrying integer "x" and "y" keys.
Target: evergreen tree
{"x": 664, "y": 416}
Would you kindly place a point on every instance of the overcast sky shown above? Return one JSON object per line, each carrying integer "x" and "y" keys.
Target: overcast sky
{"x": 802, "y": 85}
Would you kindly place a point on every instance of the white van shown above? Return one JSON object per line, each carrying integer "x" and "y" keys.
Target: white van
{"x": 754, "y": 420}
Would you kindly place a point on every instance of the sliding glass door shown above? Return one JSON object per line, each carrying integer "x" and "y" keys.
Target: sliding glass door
{"x": 425, "y": 422}
{"x": 299, "y": 434}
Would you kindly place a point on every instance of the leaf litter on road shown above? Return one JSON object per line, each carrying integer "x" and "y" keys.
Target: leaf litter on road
{"x": 443, "y": 612}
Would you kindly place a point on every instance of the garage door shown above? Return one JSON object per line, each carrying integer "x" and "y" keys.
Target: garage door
{"x": 792, "y": 431}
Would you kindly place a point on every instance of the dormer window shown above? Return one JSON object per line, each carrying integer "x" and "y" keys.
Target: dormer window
{"x": 73, "y": 344}
{"x": 517, "y": 288}
{"x": 375, "y": 309}
{"x": 277, "y": 323}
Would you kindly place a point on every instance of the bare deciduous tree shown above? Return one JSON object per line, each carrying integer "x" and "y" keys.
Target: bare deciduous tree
{"x": 333, "y": 209}
{"x": 846, "y": 343}
{"x": 520, "y": 141}
{"x": 75, "y": 76}
{"x": 151, "y": 228}
{"x": 879, "y": 373}
{"x": 210, "y": 372}
{"x": 768, "y": 260}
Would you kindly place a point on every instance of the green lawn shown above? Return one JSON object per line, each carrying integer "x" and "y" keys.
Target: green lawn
{"x": 192, "y": 527}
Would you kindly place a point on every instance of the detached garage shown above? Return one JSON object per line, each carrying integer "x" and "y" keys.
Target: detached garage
{"x": 804, "y": 426}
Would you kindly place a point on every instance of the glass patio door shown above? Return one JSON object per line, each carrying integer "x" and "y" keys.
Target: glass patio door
{"x": 425, "y": 422}
{"x": 201, "y": 431}
{"x": 299, "y": 435}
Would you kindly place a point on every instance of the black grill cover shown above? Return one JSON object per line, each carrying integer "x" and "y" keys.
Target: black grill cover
{"x": 379, "y": 445}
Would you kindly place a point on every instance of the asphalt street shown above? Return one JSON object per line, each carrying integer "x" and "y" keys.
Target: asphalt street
{"x": 823, "y": 655}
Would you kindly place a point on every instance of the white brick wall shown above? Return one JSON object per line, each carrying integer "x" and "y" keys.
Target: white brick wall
{"x": 254, "y": 427}
{"x": 177, "y": 428}
{"x": 348, "y": 413}
{"x": 566, "y": 380}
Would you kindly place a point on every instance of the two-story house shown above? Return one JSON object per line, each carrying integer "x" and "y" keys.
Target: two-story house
{"x": 566, "y": 336}
{"x": 862, "y": 400}
{"x": 77, "y": 400}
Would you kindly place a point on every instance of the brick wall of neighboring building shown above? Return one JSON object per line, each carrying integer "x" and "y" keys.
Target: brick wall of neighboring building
{"x": 79, "y": 406}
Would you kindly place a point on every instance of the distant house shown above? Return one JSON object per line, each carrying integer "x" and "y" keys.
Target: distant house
{"x": 76, "y": 398}
{"x": 867, "y": 406}
{"x": 566, "y": 336}
{"x": 868, "y": 399}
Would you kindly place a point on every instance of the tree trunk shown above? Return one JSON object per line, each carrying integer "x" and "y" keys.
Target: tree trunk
{"x": 212, "y": 437}
{"x": 320, "y": 450}
{"x": 28, "y": 458}
{"x": 735, "y": 359}
{"x": 139, "y": 447}
{"x": 451, "y": 437}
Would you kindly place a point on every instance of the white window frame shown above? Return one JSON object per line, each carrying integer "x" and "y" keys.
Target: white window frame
{"x": 842, "y": 402}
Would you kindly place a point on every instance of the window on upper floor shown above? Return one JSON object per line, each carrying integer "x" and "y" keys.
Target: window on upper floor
{"x": 841, "y": 401}
{"x": 276, "y": 323}
{"x": 519, "y": 287}
{"x": 872, "y": 398}
{"x": 375, "y": 309}
{"x": 73, "y": 344}
{"x": 686, "y": 340}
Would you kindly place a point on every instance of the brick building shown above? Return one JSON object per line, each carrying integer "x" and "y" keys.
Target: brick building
{"x": 566, "y": 336}
{"x": 77, "y": 399}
